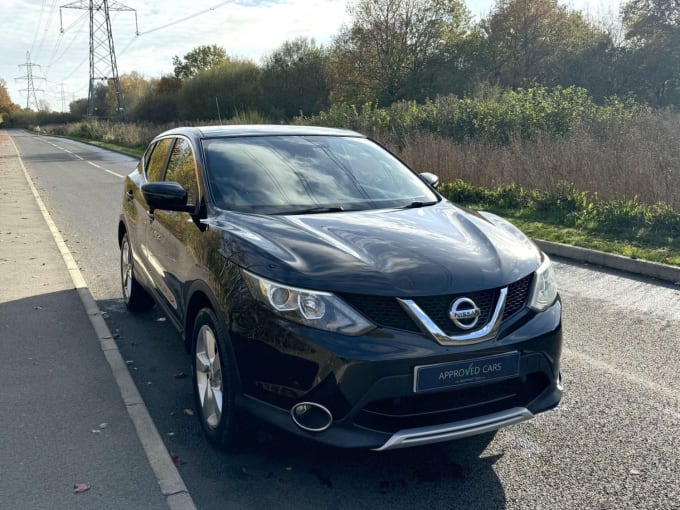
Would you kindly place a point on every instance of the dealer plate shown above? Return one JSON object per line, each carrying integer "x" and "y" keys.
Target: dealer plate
{"x": 459, "y": 373}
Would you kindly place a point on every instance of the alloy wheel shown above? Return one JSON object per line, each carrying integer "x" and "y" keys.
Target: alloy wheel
{"x": 209, "y": 377}
{"x": 126, "y": 269}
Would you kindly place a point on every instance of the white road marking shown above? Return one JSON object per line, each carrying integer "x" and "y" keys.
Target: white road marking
{"x": 105, "y": 169}
{"x": 83, "y": 159}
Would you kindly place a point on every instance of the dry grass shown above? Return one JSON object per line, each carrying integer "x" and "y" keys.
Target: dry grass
{"x": 639, "y": 158}
{"x": 618, "y": 159}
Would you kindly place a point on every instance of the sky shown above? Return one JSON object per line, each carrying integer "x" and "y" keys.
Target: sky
{"x": 58, "y": 39}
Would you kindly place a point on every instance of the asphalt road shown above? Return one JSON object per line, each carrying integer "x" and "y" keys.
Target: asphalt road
{"x": 613, "y": 443}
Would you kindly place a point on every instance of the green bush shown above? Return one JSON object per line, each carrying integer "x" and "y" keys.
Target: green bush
{"x": 498, "y": 118}
{"x": 235, "y": 85}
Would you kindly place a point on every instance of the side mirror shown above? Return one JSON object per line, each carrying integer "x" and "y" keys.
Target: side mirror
{"x": 430, "y": 179}
{"x": 166, "y": 196}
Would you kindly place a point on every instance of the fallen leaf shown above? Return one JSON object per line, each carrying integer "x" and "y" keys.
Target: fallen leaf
{"x": 80, "y": 488}
{"x": 180, "y": 375}
{"x": 176, "y": 460}
{"x": 189, "y": 412}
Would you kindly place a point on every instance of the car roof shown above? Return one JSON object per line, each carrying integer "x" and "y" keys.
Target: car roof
{"x": 256, "y": 130}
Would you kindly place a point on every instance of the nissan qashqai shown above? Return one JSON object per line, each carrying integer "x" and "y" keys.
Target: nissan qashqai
{"x": 324, "y": 287}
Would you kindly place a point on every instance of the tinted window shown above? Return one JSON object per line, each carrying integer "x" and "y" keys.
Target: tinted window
{"x": 182, "y": 169}
{"x": 156, "y": 164}
{"x": 278, "y": 174}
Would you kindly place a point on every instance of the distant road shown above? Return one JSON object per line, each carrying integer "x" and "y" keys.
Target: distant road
{"x": 613, "y": 443}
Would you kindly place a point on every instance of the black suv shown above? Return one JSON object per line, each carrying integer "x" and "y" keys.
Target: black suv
{"x": 324, "y": 287}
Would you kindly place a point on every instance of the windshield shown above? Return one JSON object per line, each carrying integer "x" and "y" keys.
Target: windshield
{"x": 307, "y": 174}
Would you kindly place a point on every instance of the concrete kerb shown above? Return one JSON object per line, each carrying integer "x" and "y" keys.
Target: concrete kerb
{"x": 664, "y": 272}
{"x": 169, "y": 480}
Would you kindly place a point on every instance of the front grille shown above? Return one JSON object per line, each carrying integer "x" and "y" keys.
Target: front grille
{"x": 386, "y": 312}
{"x": 392, "y": 415}
{"x": 518, "y": 293}
{"x": 437, "y": 308}
{"x": 382, "y": 310}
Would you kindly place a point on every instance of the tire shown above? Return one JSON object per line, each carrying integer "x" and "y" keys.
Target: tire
{"x": 215, "y": 382}
{"x": 136, "y": 298}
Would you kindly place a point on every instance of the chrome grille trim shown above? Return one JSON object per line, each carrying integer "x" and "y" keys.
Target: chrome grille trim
{"x": 427, "y": 325}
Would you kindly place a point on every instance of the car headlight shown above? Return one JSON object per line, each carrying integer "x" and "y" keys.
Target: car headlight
{"x": 321, "y": 310}
{"x": 544, "y": 290}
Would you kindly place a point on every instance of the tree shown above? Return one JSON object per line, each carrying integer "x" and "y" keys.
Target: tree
{"x": 381, "y": 56}
{"x": 133, "y": 86}
{"x": 233, "y": 85}
{"x": 159, "y": 103}
{"x": 7, "y": 107}
{"x": 531, "y": 41}
{"x": 78, "y": 108}
{"x": 294, "y": 79}
{"x": 653, "y": 51}
{"x": 459, "y": 67}
{"x": 199, "y": 59}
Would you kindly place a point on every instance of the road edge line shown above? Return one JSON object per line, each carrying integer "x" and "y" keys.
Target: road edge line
{"x": 170, "y": 482}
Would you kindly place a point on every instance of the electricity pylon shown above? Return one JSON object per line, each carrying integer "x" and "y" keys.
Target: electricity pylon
{"x": 30, "y": 87}
{"x": 103, "y": 65}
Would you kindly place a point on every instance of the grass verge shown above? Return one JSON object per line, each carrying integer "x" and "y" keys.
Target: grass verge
{"x": 622, "y": 227}
{"x": 135, "y": 152}
{"x": 655, "y": 252}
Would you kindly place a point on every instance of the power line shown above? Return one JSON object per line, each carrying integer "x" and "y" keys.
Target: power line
{"x": 30, "y": 86}
{"x": 37, "y": 28}
{"x": 77, "y": 68}
{"x": 47, "y": 25}
{"x": 54, "y": 58}
{"x": 63, "y": 98}
{"x": 103, "y": 66}
{"x": 186, "y": 18}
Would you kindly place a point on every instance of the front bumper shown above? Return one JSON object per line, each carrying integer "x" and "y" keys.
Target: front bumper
{"x": 367, "y": 382}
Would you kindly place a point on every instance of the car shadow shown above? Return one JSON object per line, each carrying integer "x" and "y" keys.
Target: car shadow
{"x": 273, "y": 469}
{"x": 62, "y": 413}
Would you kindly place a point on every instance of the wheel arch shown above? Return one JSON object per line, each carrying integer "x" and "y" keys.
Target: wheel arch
{"x": 122, "y": 230}
{"x": 200, "y": 297}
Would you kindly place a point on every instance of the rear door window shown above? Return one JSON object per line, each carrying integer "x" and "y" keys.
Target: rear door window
{"x": 182, "y": 169}
{"x": 159, "y": 155}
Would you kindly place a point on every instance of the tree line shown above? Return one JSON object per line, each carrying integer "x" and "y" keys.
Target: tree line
{"x": 418, "y": 50}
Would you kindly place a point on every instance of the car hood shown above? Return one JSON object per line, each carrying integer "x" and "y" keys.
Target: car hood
{"x": 431, "y": 250}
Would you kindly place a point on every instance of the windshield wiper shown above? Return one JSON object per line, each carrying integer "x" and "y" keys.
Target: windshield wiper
{"x": 313, "y": 210}
{"x": 415, "y": 205}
